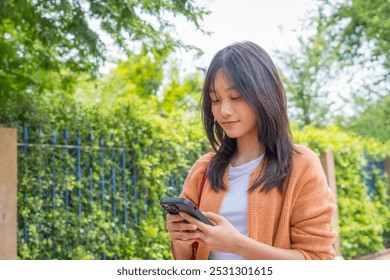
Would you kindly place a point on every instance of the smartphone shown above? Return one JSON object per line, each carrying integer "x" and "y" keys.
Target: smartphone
{"x": 174, "y": 205}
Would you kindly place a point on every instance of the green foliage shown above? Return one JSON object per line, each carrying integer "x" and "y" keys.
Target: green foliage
{"x": 373, "y": 121}
{"x": 363, "y": 217}
{"x": 353, "y": 24}
{"x": 340, "y": 73}
{"x": 162, "y": 138}
{"x": 156, "y": 147}
{"x": 140, "y": 75}
{"x": 182, "y": 94}
{"x": 46, "y": 45}
{"x": 359, "y": 32}
{"x": 307, "y": 73}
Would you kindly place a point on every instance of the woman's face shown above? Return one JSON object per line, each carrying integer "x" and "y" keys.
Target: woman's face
{"x": 231, "y": 111}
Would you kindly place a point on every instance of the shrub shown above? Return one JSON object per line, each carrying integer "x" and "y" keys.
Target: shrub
{"x": 363, "y": 215}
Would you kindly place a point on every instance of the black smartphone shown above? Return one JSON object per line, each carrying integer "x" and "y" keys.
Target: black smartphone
{"x": 174, "y": 205}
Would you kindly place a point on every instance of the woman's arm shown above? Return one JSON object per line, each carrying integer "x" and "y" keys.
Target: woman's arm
{"x": 180, "y": 252}
{"x": 254, "y": 250}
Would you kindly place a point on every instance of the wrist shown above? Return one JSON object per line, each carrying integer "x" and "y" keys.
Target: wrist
{"x": 181, "y": 251}
{"x": 239, "y": 244}
{"x": 181, "y": 244}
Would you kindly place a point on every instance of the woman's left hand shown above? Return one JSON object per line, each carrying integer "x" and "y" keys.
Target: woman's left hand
{"x": 221, "y": 237}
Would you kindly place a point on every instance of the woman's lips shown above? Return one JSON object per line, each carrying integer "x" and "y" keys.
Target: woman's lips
{"x": 229, "y": 123}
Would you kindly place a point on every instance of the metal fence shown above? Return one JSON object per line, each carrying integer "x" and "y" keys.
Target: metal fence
{"x": 81, "y": 178}
{"x": 373, "y": 170}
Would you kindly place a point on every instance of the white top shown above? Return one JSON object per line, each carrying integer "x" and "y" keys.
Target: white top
{"x": 234, "y": 205}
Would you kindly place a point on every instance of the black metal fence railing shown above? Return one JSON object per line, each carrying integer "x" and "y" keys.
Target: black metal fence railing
{"x": 62, "y": 180}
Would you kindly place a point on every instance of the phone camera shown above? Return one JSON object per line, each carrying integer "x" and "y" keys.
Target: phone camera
{"x": 172, "y": 209}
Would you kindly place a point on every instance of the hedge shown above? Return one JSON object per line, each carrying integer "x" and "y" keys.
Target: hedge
{"x": 364, "y": 216}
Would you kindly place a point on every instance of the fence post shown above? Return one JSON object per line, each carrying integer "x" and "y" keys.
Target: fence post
{"x": 327, "y": 162}
{"x": 8, "y": 185}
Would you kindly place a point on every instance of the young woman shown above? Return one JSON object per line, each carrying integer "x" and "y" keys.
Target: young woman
{"x": 267, "y": 198}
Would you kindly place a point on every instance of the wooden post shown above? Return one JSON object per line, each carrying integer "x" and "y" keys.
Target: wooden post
{"x": 327, "y": 161}
{"x": 8, "y": 187}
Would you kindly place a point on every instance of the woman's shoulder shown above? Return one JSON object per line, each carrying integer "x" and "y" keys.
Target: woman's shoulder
{"x": 194, "y": 178}
{"x": 206, "y": 157}
{"x": 307, "y": 174}
{"x": 305, "y": 162}
{"x": 203, "y": 161}
{"x": 304, "y": 154}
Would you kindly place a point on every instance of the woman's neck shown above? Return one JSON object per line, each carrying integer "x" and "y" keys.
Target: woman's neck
{"x": 248, "y": 149}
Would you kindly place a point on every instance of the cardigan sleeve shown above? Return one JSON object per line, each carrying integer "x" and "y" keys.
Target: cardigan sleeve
{"x": 194, "y": 179}
{"x": 312, "y": 214}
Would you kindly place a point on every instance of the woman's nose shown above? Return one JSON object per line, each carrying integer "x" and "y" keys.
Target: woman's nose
{"x": 226, "y": 109}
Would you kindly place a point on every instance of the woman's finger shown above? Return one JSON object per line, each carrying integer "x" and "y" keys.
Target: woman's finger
{"x": 174, "y": 218}
{"x": 214, "y": 217}
{"x": 180, "y": 226}
{"x": 184, "y": 235}
{"x": 200, "y": 225}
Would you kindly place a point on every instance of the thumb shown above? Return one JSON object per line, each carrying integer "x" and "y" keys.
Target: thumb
{"x": 214, "y": 217}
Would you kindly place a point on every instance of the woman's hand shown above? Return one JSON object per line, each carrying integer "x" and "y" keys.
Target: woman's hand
{"x": 224, "y": 237}
{"x": 220, "y": 237}
{"x": 181, "y": 232}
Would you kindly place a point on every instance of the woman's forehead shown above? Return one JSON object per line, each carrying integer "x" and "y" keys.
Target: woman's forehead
{"x": 222, "y": 76}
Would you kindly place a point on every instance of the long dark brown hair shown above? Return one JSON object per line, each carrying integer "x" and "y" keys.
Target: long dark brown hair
{"x": 252, "y": 72}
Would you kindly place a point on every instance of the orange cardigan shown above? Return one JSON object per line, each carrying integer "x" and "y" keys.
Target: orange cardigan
{"x": 299, "y": 218}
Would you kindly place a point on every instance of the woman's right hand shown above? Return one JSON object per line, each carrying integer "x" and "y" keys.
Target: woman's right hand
{"x": 181, "y": 232}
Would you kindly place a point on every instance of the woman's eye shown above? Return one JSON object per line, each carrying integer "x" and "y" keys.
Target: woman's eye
{"x": 214, "y": 100}
{"x": 236, "y": 98}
